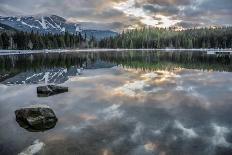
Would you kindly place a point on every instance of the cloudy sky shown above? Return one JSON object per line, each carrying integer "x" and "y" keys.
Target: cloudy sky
{"x": 124, "y": 14}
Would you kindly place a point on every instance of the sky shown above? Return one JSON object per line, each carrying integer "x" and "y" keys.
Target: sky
{"x": 128, "y": 14}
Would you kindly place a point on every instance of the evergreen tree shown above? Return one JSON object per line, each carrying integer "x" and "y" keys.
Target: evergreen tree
{"x": 163, "y": 38}
{"x": 138, "y": 38}
{"x": 5, "y": 41}
{"x": 1, "y": 42}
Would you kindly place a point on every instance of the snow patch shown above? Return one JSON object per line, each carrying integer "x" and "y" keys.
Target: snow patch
{"x": 51, "y": 25}
{"x": 57, "y": 26}
{"x": 78, "y": 29}
{"x": 190, "y": 133}
{"x": 43, "y": 23}
{"x": 34, "y": 75}
{"x": 63, "y": 29}
{"x": 46, "y": 77}
{"x": 33, "y": 149}
{"x": 31, "y": 26}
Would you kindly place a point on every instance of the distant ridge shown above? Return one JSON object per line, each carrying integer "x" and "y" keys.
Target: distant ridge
{"x": 50, "y": 24}
{"x": 4, "y": 27}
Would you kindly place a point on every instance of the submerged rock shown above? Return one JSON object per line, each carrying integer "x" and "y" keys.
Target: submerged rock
{"x": 36, "y": 118}
{"x": 49, "y": 90}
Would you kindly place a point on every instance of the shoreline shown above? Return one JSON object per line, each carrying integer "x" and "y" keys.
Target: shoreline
{"x": 16, "y": 52}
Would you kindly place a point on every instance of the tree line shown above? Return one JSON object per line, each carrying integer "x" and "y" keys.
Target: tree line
{"x": 170, "y": 38}
{"x": 133, "y": 39}
{"x": 142, "y": 60}
{"x": 31, "y": 41}
{"x": 159, "y": 60}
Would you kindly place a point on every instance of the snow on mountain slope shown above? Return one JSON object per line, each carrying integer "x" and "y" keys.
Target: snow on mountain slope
{"x": 51, "y": 24}
{"x": 4, "y": 27}
{"x": 43, "y": 23}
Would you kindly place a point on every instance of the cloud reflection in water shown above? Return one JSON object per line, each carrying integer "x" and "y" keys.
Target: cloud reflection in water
{"x": 116, "y": 111}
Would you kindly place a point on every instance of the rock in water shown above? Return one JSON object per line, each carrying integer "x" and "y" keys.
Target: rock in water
{"x": 36, "y": 118}
{"x": 49, "y": 90}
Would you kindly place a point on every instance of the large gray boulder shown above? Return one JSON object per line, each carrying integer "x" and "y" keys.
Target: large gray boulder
{"x": 36, "y": 118}
{"x": 49, "y": 90}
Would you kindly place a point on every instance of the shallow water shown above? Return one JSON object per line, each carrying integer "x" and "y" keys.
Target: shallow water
{"x": 125, "y": 103}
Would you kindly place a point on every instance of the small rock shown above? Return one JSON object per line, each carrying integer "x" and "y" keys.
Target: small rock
{"x": 49, "y": 90}
{"x": 36, "y": 118}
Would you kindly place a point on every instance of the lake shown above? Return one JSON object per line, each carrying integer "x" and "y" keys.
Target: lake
{"x": 120, "y": 103}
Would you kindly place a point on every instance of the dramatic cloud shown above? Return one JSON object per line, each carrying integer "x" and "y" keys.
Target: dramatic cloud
{"x": 122, "y": 14}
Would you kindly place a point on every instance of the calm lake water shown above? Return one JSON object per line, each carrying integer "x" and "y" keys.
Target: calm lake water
{"x": 122, "y": 103}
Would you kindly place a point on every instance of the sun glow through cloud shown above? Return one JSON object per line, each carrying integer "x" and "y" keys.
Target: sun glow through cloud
{"x": 118, "y": 15}
{"x": 130, "y": 9}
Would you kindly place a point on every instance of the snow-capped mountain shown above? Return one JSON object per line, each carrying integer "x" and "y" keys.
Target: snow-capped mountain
{"x": 53, "y": 75}
{"x": 4, "y": 27}
{"x": 51, "y": 24}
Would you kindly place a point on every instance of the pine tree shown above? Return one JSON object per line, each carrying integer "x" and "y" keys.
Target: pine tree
{"x": 5, "y": 41}
{"x": 1, "y": 43}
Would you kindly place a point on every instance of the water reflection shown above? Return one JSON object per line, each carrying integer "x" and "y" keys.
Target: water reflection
{"x": 33, "y": 68}
{"x": 129, "y": 110}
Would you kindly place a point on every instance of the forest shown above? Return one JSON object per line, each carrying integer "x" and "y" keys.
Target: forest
{"x": 170, "y": 38}
{"x": 31, "y": 41}
{"x": 133, "y": 39}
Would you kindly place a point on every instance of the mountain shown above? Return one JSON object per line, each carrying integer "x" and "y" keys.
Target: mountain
{"x": 51, "y": 24}
{"x": 55, "y": 75}
{"x": 4, "y": 27}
